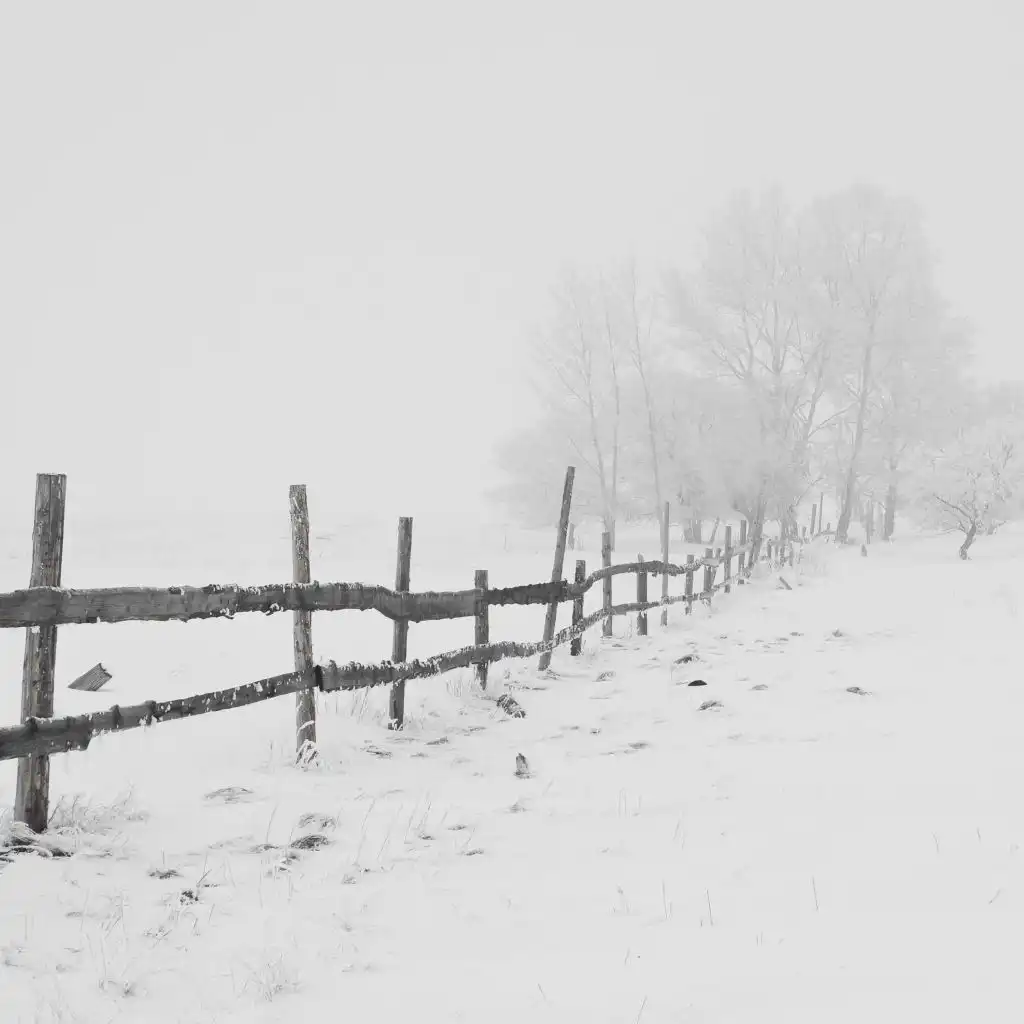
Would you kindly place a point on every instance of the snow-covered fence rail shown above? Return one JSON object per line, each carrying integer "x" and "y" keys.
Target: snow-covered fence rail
{"x": 44, "y": 605}
{"x": 52, "y": 606}
{"x": 59, "y": 735}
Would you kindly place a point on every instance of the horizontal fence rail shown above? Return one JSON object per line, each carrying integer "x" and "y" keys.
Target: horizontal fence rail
{"x": 45, "y": 604}
{"x": 53, "y": 606}
{"x": 60, "y": 735}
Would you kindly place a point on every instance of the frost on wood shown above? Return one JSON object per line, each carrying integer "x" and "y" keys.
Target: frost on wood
{"x": 50, "y": 606}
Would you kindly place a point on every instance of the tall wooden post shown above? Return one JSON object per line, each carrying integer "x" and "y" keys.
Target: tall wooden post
{"x": 576, "y": 643}
{"x": 814, "y": 517}
{"x": 400, "y": 634}
{"x": 689, "y": 585}
{"x": 664, "y": 558}
{"x": 821, "y": 510}
{"x": 556, "y": 570}
{"x": 709, "y": 573}
{"x": 641, "y": 597}
{"x": 32, "y": 795}
{"x": 728, "y": 560}
{"x": 482, "y": 633}
{"x": 606, "y": 561}
{"x": 302, "y": 627}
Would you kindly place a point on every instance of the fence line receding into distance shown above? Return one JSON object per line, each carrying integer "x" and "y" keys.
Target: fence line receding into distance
{"x": 45, "y": 604}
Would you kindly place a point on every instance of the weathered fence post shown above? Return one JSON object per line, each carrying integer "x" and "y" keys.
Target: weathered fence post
{"x": 606, "y": 561}
{"x": 688, "y": 591}
{"x": 709, "y": 573}
{"x": 482, "y": 634}
{"x": 302, "y": 627}
{"x": 814, "y": 517}
{"x": 728, "y": 560}
{"x": 641, "y": 597}
{"x": 556, "y": 570}
{"x": 664, "y": 558}
{"x": 32, "y": 796}
{"x": 576, "y": 643}
{"x": 821, "y": 510}
{"x": 400, "y": 634}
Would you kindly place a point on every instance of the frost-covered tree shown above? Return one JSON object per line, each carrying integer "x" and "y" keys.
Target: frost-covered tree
{"x": 975, "y": 483}
{"x": 873, "y": 273}
{"x": 749, "y": 315}
{"x": 581, "y": 355}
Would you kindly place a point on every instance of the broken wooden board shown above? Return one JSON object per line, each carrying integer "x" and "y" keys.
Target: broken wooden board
{"x": 92, "y": 680}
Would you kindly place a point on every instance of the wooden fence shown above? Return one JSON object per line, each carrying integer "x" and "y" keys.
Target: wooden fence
{"x": 45, "y": 605}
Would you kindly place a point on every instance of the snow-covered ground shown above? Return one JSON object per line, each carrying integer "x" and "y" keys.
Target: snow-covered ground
{"x": 797, "y": 852}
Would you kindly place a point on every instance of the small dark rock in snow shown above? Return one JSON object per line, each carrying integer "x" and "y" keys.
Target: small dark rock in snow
{"x": 864, "y": 551}
{"x": 857, "y": 690}
{"x": 604, "y": 676}
{"x": 317, "y": 820}
{"x": 511, "y": 706}
{"x": 377, "y": 751}
{"x": 685, "y": 659}
{"x": 760, "y": 686}
{"x": 163, "y": 873}
{"x": 311, "y": 842}
{"x": 230, "y": 794}
{"x": 522, "y": 767}
{"x": 709, "y": 704}
{"x": 696, "y": 682}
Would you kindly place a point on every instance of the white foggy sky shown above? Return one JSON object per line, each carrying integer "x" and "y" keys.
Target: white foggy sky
{"x": 306, "y": 242}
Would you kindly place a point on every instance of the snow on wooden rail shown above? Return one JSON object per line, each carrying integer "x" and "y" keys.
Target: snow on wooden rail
{"x": 44, "y": 736}
{"x": 53, "y": 606}
{"x": 59, "y": 735}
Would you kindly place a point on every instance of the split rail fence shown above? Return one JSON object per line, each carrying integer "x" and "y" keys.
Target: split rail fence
{"x": 45, "y": 605}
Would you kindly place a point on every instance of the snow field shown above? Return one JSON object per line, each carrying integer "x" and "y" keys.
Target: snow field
{"x": 798, "y": 853}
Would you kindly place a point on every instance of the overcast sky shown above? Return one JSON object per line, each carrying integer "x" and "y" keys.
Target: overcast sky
{"x": 248, "y": 244}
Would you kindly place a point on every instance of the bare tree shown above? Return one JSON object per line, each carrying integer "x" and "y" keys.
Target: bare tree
{"x": 748, "y": 316}
{"x": 871, "y": 261}
{"x": 977, "y": 480}
{"x": 639, "y": 315}
{"x": 581, "y": 354}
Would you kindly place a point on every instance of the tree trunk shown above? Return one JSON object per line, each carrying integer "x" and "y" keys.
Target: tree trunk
{"x": 968, "y": 541}
{"x": 843, "y": 526}
{"x": 608, "y": 522}
{"x": 714, "y": 530}
{"x": 890, "y": 511}
{"x": 757, "y": 528}
{"x": 693, "y": 530}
